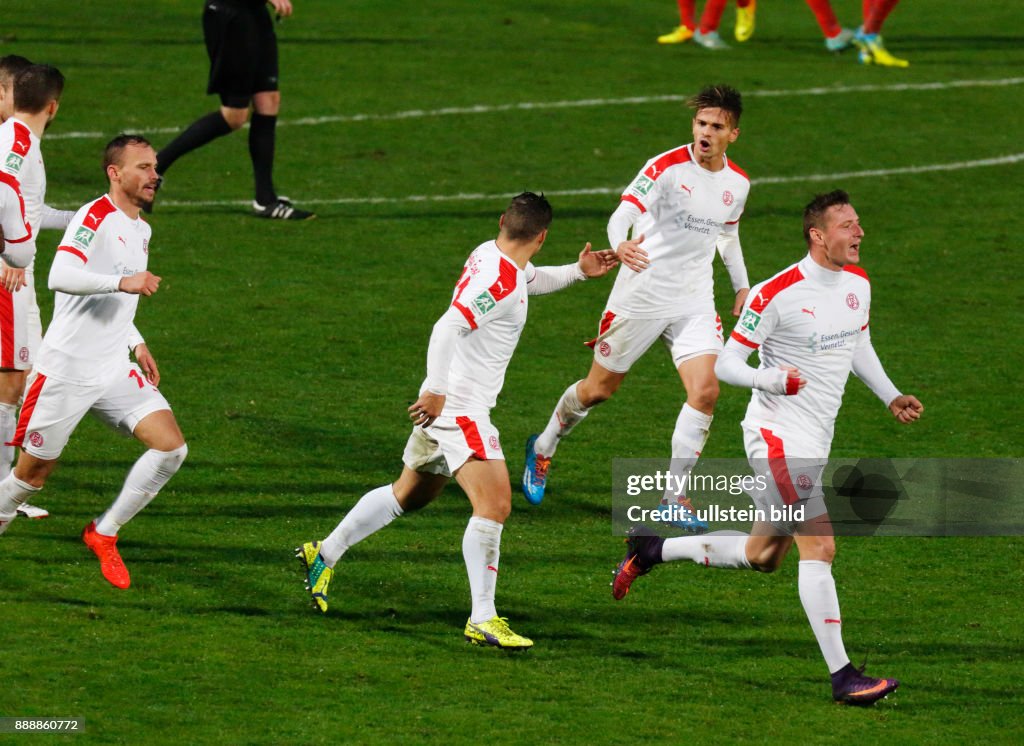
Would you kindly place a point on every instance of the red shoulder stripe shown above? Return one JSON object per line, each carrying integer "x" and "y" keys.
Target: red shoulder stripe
{"x": 15, "y": 186}
{"x": 97, "y": 213}
{"x": 672, "y": 158}
{"x": 773, "y": 288}
{"x": 853, "y": 269}
{"x": 737, "y": 169}
{"x": 507, "y": 275}
{"x": 22, "y": 139}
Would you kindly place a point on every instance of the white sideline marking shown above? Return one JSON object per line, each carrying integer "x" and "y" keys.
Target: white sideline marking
{"x": 579, "y": 103}
{"x": 1003, "y": 160}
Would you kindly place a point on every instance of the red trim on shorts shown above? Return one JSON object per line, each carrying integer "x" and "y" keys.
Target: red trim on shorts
{"x": 6, "y": 329}
{"x": 604, "y": 326}
{"x": 472, "y": 435}
{"x": 778, "y": 466}
{"x": 26, "y": 410}
{"x": 634, "y": 201}
{"x": 744, "y": 341}
{"x": 73, "y": 250}
{"x": 465, "y": 312}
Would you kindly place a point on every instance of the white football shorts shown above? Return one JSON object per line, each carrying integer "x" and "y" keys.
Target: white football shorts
{"x": 53, "y": 409}
{"x": 620, "y": 342}
{"x": 793, "y": 492}
{"x": 15, "y": 308}
{"x": 450, "y": 442}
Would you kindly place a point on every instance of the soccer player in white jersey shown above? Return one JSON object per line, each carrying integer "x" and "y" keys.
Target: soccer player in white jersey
{"x": 98, "y": 273}
{"x": 681, "y": 206}
{"x": 29, "y": 100}
{"x": 810, "y": 326}
{"x": 470, "y": 348}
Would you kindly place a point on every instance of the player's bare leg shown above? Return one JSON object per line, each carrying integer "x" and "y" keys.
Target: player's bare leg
{"x": 574, "y": 404}
{"x": 486, "y": 484}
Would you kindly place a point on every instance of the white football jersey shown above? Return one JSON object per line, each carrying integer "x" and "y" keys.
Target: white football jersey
{"x": 491, "y": 294}
{"x": 22, "y": 181}
{"x": 813, "y": 319}
{"x": 683, "y": 209}
{"x": 87, "y": 342}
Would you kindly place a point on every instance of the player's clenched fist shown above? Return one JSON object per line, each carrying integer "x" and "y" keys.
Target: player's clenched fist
{"x": 141, "y": 283}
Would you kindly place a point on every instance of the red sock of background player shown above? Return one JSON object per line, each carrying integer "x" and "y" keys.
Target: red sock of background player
{"x": 686, "y": 13}
{"x": 826, "y": 17}
{"x": 880, "y": 10}
{"x": 742, "y": 3}
{"x": 712, "y": 15}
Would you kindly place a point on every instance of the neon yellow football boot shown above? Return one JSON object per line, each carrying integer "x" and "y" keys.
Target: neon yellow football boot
{"x": 873, "y": 51}
{"x": 496, "y": 632}
{"x": 745, "y": 21}
{"x": 677, "y": 36}
{"x": 318, "y": 574}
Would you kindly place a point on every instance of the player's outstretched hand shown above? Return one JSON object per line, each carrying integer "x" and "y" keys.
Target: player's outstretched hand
{"x": 741, "y": 298}
{"x": 906, "y": 408}
{"x": 630, "y": 254}
{"x": 426, "y": 409}
{"x": 141, "y": 283}
{"x": 596, "y": 263}
{"x": 147, "y": 362}
{"x": 12, "y": 279}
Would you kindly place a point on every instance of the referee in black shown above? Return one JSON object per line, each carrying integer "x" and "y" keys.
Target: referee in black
{"x": 242, "y": 46}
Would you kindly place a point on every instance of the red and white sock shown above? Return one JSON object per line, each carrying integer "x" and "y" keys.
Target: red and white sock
{"x": 375, "y": 510}
{"x": 481, "y": 547}
{"x": 13, "y": 492}
{"x": 724, "y": 549}
{"x": 821, "y": 604}
{"x": 145, "y": 480}
{"x": 568, "y": 413}
{"x": 8, "y": 424}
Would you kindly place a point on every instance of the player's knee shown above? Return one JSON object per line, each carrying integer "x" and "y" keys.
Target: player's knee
{"x": 234, "y": 117}
{"x": 594, "y": 392}
{"x": 172, "y": 460}
{"x": 821, "y": 548}
{"x": 766, "y": 560}
{"x": 703, "y": 395}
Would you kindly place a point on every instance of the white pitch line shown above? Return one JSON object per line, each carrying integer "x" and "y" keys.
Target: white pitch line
{"x": 1004, "y": 160}
{"x": 580, "y": 103}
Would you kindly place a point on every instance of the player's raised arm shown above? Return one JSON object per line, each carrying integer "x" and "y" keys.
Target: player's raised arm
{"x": 544, "y": 280}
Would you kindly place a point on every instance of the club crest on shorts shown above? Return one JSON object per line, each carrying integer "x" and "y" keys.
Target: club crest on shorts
{"x": 605, "y": 349}
{"x": 35, "y": 439}
{"x": 853, "y": 301}
{"x": 804, "y": 482}
{"x": 727, "y": 198}
{"x": 493, "y": 443}
{"x": 23, "y": 354}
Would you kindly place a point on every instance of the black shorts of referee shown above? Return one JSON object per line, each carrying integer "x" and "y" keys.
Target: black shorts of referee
{"x": 242, "y": 46}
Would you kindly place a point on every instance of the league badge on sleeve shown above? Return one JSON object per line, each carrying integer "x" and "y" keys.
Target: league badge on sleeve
{"x": 484, "y": 303}
{"x": 83, "y": 237}
{"x": 12, "y": 164}
{"x": 642, "y": 186}
{"x": 750, "y": 321}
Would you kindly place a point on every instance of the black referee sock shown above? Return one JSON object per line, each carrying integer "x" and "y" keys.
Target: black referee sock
{"x": 261, "y": 149}
{"x": 200, "y": 132}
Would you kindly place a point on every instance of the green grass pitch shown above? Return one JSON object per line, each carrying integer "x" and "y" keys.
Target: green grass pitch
{"x": 290, "y": 353}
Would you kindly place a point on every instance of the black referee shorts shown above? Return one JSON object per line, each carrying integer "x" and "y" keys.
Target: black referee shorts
{"x": 243, "y": 50}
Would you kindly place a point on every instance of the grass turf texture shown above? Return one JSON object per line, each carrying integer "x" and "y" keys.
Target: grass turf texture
{"x": 291, "y": 351}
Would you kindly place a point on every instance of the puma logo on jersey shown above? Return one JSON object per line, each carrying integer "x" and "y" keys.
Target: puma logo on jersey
{"x": 689, "y": 191}
{"x": 809, "y": 311}
{"x": 121, "y": 239}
